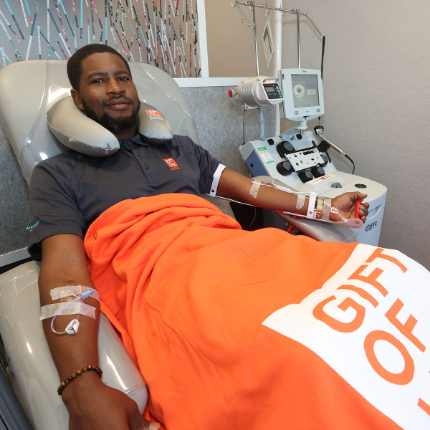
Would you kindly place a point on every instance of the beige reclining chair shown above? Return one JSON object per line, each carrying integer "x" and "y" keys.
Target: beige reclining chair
{"x": 28, "y": 90}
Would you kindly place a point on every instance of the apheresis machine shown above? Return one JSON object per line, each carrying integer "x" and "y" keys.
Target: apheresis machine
{"x": 299, "y": 158}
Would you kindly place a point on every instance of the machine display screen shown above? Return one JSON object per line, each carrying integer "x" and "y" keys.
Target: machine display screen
{"x": 273, "y": 91}
{"x": 305, "y": 90}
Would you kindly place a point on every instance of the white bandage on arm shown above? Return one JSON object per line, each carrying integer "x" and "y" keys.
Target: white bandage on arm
{"x": 215, "y": 182}
{"x": 334, "y": 210}
{"x": 300, "y": 201}
{"x": 72, "y": 290}
{"x": 254, "y": 189}
{"x": 74, "y": 307}
{"x": 70, "y": 308}
{"x": 326, "y": 210}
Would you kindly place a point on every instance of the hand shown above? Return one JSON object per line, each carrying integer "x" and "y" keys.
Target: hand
{"x": 345, "y": 203}
{"x": 99, "y": 407}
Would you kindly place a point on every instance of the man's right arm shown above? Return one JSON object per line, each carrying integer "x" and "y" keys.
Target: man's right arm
{"x": 91, "y": 404}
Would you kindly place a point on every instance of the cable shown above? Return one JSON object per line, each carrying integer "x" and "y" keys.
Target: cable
{"x": 322, "y": 56}
{"x": 243, "y": 126}
{"x": 253, "y": 219}
{"x": 255, "y": 209}
{"x": 322, "y": 67}
{"x": 353, "y": 165}
{"x": 322, "y": 147}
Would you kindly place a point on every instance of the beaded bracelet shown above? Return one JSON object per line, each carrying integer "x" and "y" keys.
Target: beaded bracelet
{"x": 79, "y": 372}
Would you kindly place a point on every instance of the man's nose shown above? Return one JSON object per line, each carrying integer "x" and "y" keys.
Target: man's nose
{"x": 114, "y": 87}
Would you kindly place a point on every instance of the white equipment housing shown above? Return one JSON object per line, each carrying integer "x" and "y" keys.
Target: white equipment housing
{"x": 303, "y": 94}
{"x": 295, "y": 160}
{"x": 263, "y": 159}
{"x": 260, "y": 91}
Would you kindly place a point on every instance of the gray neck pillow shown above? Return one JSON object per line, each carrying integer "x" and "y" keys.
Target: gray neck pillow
{"x": 82, "y": 134}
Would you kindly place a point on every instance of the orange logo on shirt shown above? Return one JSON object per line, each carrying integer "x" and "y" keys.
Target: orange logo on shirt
{"x": 154, "y": 114}
{"x": 171, "y": 163}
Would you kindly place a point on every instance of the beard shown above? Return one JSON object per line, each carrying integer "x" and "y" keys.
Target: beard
{"x": 114, "y": 124}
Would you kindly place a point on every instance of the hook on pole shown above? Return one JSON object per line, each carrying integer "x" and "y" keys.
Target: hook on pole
{"x": 283, "y": 11}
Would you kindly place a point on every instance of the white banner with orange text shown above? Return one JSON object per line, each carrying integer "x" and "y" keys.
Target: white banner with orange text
{"x": 371, "y": 323}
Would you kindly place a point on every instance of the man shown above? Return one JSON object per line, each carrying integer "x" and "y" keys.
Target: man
{"x": 69, "y": 191}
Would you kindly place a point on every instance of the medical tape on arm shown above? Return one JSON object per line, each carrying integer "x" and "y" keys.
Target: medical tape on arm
{"x": 76, "y": 306}
{"x": 215, "y": 181}
{"x": 72, "y": 290}
{"x": 68, "y": 308}
{"x": 334, "y": 210}
{"x": 300, "y": 201}
{"x": 254, "y": 189}
{"x": 326, "y": 210}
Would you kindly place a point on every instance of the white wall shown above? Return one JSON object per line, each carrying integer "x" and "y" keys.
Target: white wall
{"x": 377, "y": 100}
{"x": 231, "y": 43}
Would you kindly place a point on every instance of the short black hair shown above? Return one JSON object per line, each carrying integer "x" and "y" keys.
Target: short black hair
{"x": 74, "y": 65}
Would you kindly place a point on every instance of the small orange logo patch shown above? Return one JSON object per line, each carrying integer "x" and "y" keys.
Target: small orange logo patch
{"x": 154, "y": 114}
{"x": 171, "y": 163}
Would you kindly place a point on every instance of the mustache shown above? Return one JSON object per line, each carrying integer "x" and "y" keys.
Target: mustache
{"x": 117, "y": 97}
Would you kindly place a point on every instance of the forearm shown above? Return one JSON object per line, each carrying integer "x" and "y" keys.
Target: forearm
{"x": 237, "y": 187}
{"x": 91, "y": 404}
{"x": 64, "y": 264}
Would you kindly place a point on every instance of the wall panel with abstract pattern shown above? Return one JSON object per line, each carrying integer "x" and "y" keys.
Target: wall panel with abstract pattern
{"x": 163, "y": 33}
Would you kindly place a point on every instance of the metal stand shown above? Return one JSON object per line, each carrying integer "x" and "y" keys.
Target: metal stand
{"x": 261, "y": 121}
{"x": 252, "y": 5}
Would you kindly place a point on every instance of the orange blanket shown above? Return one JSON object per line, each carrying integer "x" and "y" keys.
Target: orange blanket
{"x": 252, "y": 330}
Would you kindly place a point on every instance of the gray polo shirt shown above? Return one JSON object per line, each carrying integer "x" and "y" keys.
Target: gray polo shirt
{"x": 69, "y": 191}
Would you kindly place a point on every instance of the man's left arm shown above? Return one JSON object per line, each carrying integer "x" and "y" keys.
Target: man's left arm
{"x": 236, "y": 186}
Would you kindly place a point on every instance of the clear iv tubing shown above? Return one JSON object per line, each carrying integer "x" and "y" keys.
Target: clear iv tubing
{"x": 80, "y": 298}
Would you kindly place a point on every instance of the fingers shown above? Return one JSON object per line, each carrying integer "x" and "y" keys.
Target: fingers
{"x": 145, "y": 425}
{"x": 137, "y": 422}
{"x": 354, "y": 195}
{"x": 363, "y": 211}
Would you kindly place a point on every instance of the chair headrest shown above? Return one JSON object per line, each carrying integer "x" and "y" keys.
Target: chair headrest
{"x": 82, "y": 134}
{"x": 29, "y": 89}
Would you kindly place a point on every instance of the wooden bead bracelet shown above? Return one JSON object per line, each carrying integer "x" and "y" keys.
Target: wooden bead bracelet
{"x": 79, "y": 372}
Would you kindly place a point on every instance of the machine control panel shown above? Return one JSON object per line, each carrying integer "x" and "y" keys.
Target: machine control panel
{"x": 306, "y": 159}
{"x": 315, "y": 173}
{"x": 273, "y": 91}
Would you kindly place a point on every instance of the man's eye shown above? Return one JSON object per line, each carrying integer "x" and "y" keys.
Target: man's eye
{"x": 97, "y": 81}
{"x": 124, "y": 78}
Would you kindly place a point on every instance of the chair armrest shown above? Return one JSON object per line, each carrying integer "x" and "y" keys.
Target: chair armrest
{"x": 31, "y": 362}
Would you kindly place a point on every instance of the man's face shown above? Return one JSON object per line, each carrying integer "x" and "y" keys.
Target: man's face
{"x": 107, "y": 94}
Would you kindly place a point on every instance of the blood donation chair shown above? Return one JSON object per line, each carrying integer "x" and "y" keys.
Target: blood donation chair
{"x": 28, "y": 90}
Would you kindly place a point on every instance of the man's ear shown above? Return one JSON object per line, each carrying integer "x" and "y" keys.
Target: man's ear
{"x": 77, "y": 99}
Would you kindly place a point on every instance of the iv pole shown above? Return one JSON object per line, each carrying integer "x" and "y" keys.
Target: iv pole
{"x": 260, "y": 109}
{"x": 252, "y": 5}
